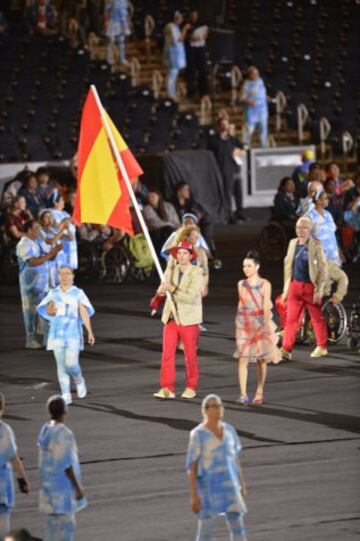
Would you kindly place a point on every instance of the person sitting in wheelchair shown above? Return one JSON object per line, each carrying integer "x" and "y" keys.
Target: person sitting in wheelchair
{"x": 286, "y": 203}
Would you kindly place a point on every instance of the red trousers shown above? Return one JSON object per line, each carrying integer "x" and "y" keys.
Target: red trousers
{"x": 189, "y": 335}
{"x": 300, "y": 296}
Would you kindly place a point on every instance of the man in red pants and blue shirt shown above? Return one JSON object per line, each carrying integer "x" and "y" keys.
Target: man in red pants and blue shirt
{"x": 181, "y": 317}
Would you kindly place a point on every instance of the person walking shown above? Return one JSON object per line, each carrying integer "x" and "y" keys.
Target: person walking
{"x": 255, "y": 107}
{"x": 67, "y": 308}
{"x": 305, "y": 276}
{"x": 61, "y": 492}
{"x": 9, "y": 459}
{"x": 174, "y": 51}
{"x": 181, "y": 319}
{"x": 256, "y": 339}
{"x": 217, "y": 484}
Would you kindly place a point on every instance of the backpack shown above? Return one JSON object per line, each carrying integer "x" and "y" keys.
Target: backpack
{"x": 140, "y": 252}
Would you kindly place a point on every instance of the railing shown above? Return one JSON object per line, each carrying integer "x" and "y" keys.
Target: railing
{"x": 281, "y": 103}
{"x": 347, "y": 145}
{"x": 157, "y": 80}
{"x": 149, "y": 26}
{"x": 325, "y": 129}
{"x": 205, "y": 116}
{"x": 236, "y": 78}
{"x": 302, "y": 118}
{"x": 134, "y": 71}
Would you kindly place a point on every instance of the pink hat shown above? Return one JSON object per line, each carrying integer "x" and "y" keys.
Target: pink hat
{"x": 184, "y": 245}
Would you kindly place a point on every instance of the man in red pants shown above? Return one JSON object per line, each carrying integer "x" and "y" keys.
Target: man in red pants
{"x": 305, "y": 274}
{"x": 185, "y": 283}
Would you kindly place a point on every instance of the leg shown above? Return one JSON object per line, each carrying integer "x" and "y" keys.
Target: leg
{"x": 121, "y": 48}
{"x": 249, "y": 130}
{"x": 237, "y": 191}
{"x": 171, "y": 82}
{"x": 205, "y": 529}
{"x": 73, "y": 369}
{"x": 29, "y": 303}
{"x": 189, "y": 335}
{"x": 243, "y": 375}
{"x": 110, "y": 51}
{"x": 64, "y": 379}
{"x": 295, "y": 306}
{"x": 170, "y": 341}
{"x": 261, "y": 377}
{"x": 263, "y": 128}
{"x": 317, "y": 317}
{"x": 236, "y": 527}
{"x": 59, "y": 527}
{"x": 4, "y": 521}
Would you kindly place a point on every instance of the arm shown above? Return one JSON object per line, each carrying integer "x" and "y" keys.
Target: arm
{"x": 78, "y": 488}
{"x": 15, "y": 232}
{"x": 267, "y": 300}
{"x": 36, "y": 261}
{"x": 86, "y": 320}
{"x": 195, "y": 500}
{"x": 322, "y": 273}
{"x": 21, "y": 474}
{"x": 152, "y": 218}
{"x": 242, "y": 480}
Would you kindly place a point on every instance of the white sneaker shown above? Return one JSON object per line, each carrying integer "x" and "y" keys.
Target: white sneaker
{"x": 33, "y": 344}
{"x": 81, "y": 389}
{"x": 67, "y": 398}
{"x": 188, "y": 393}
{"x": 164, "y": 393}
{"x": 319, "y": 352}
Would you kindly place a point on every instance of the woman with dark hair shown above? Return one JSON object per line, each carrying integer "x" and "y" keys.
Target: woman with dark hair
{"x": 50, "y": 237}
{"x": 63, "y": 222}
{"x": 285, "y": 201}
{"x": 30, "y": 191}
{"x": 160, "y": 217}
{"x": 16, "y": 217}
{"x": 256, "y": 339}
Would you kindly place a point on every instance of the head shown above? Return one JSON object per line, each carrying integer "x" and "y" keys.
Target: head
{"x": 190, "y": 233}
{"x": 232, "y": 130}
{"x": 32, "y": 229}
{"x": 223, "y": 125}
{"x": 303, "y": 228}
{"x": 313, "y": 186}
{"x": 46, "y": 219}
{"x": 42, "y": 176}
{"x": 193, "y": 16}
{"x": 154, "y": 198}
{"x": 19, "y": 203}
{"x": 252, "y": 73}
{"x": 307, "y": 156}
{"x": 182, "y": 190}
{"x": 66, "y": 276}
{"x": 212, "y": 407}
{"x": 183, "y": 256}
{"x": 178, "y": 17}
{"x": 332, "y": 170}
{"x": 71, "y": 196}
{"x": 2, "y": 405}
{"x": 315, "y": 173}
{"x": 189, "y": 219}
{"x": 30, "y": 182}
{"x": 251, "y": 263}
{"x": 57, "y": 200}
{"x": 321, "y": 199}
{"x": 287, "y": 185}
{"x": 56, "y": 407}
{"x": 330, "y": 186}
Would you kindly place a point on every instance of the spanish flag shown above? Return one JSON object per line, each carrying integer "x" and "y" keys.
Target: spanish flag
{"x": 102, "y": 196}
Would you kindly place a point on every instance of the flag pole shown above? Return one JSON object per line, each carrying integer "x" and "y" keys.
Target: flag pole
{"x": 125, "y": 176}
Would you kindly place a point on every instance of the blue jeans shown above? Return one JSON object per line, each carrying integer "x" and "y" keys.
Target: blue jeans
{"x": 262, "y": 122}
{"x": 4, "y": 521}
{"x": 59, "y": 527}
{"x": 119, "y": 41}
{"x": 235, "y": 524}
{"x": 67, "y": 361}
{"x": 172, "y": 76}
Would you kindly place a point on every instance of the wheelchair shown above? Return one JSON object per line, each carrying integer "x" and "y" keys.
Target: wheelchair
{"x": 336, "y": 320}
{"x": 274, "y": 239}
{"x": 95, "y": 264}
{"x": 353, "y": 329}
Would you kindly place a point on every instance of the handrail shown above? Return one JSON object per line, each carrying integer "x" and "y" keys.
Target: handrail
{"x": 157, "y": 80}
{"x": 236, "y": 78}
{"x": 325, "y": 129}
{"x": 302, "y": 117}
{"x": 281, "y": 103}
{"x": 135, "y": 68}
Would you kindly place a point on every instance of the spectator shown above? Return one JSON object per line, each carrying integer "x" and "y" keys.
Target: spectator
{"x": 16, "y": 217}
{"x": 33, "y": 277}
{"x": 61, "y": 491}
{"x": 45, "y": 188}
{"x": 70, "y": 201}
{"x": 353, "y": 194}
{"x": 12, "y": 187}
{"x": 217, "y": 484}
{"x": 335, "y": 206}
{"x": 9, "y": 459}
{"x": 255, "y": 105}
{"x": 29, "y": 190}
{"x": 174, "y": 51}
{"x": 63, "y": 222}
{"x": 226, "y": 149}
{"x": 285, "y": 201}
{"x": 195, "y": 47}
{"x": 307, "y": 203}
{"x": 161, "y": 218}
{"x": 117, "y": 29}
{"x": 41, "y": 17}
{"x": 301, "y": 172}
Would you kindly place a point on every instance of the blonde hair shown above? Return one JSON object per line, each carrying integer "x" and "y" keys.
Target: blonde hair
{"x": 186, "y": 232}
{"x": 305, "y": 219}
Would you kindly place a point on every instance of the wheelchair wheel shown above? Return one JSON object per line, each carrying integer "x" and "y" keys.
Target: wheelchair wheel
{"x": 141, "y": 274}
{"x": 115, "y": 265}
{"x": 273, "y": 241}
{"x": 336, "y": 319}
{"x": 87, "y": 257}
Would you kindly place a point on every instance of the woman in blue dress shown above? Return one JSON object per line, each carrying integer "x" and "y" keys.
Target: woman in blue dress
{"x": 61, "y": 492}
{"x": 50, "y": 237}
{"x": 174, "y": 51}
{"x": 9, "y": 459}
{"x": 216, "y": 481}
{"x": 67, "y": 308}
{"x": 34, "y": 277}
{"x": 63, "y": 222}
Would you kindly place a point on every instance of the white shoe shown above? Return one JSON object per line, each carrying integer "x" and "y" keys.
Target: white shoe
{"x": 33, "y": 344}
{"x": 188, "y": 393}
{"x": 319, "y": 352}
{"x": 81, "y": 389}
{"x": 67, "y": 398}
{"x": 164, "y": 393}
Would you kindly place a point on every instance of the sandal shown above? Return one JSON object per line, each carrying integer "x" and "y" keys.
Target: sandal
{"x": 243, "y": 400}
{"x": 258, "y": 399}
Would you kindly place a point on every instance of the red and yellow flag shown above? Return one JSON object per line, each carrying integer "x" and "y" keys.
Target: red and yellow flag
{"x": 102, "y": 196}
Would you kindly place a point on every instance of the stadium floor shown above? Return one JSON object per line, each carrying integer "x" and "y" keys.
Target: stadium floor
{"x": 300, "y": 455}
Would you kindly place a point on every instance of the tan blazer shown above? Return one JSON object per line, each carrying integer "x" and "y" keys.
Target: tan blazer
{"x": 187, "y": 295}
{"x": 317, "y": 266}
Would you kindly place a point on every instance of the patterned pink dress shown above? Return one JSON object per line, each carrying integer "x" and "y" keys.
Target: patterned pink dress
{"x": 255, "y": 336}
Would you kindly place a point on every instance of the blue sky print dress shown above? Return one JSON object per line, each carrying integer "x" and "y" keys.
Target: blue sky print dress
{"x": 57, "y": 452}
{"x": 66, "y": 327}
{"x": 218, "y": 480}
{"x": 70, "y": 256}
{"x": 8, "y": 451}
{"x": 323, "y": 229}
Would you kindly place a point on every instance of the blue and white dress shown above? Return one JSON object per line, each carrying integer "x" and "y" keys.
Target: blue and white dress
{"x": 66, "y": 327}
{"x": 58, "y": 261}
{"x": 218, "y": 481}
{"x": 256, "y": 92}
{"x": 34, "y": 281}
{"x": 323, "y": 229}
{"x": 8, "y": 451}
{"x": 174, "y": 50}
{"x": 70, "y": 256}
{"x": 57, "y": 452}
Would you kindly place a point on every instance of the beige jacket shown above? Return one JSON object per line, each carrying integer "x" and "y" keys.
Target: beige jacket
{"x": 187, "y": 295}
{"x": 317, "y": 266}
